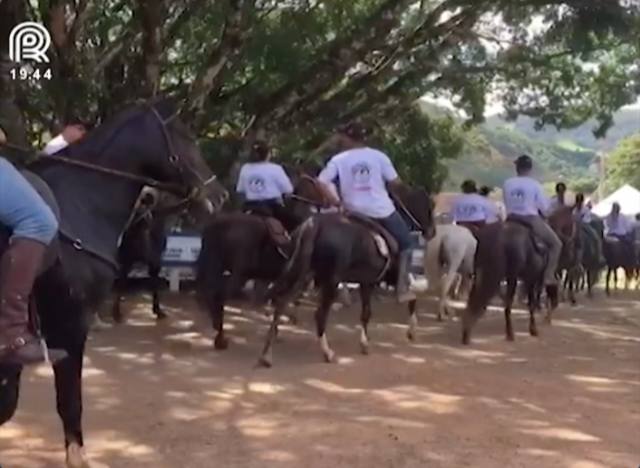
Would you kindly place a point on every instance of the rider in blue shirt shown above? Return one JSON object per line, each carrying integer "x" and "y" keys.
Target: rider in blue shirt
{"x": 33, "y": 226}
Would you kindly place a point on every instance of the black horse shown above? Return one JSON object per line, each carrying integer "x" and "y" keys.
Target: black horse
{"x": 243, "y": 246}
{"x": 143, "y": 242}
{"x": 96, "y": 186}
{"x": 331, "y": 249}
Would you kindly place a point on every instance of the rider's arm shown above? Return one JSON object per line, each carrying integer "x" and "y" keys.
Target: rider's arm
{"x": 283, "y": 181}
{"x": 542, "y": 202}
{"x": 327, "y": 176}
{"x": 241, "y": 185}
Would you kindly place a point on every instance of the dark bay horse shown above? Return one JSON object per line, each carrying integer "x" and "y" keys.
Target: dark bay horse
{"x": 619, "y": 253}
{"x": 508, "y": 251}
{"x": 237, "y": 247}
{"x": 95, "y": 196}
{"x": 331, "y": 249}
{"x": 143, "y": 242}
{"x": 570, "y": 263}
{"x": 145, "y": 239}
{"x": 592, "y": 248}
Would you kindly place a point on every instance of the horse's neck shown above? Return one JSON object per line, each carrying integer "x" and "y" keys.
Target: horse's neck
{"x": 90, "y": 198}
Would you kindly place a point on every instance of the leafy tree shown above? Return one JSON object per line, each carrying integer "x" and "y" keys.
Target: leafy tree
{"x": 623, "y": 165}
{"x": 586, "y": 185}
{"x": 290, "y": 70}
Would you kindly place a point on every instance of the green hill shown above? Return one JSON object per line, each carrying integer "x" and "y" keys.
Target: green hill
{"x": 567, "y": 155}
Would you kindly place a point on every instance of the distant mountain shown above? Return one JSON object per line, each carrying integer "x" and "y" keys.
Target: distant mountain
{"x": 626, "y": 123}
{"x": 567, "y": 155}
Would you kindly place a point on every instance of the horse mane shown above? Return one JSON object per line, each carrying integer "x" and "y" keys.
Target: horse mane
{"x": 98, "y": 139}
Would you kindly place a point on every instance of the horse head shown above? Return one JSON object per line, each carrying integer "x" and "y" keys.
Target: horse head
{"x": 417, "y": 206}
{"x": 151, "y": 140}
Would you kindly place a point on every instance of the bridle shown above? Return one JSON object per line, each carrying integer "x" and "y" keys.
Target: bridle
{"x": 173, "y": 157}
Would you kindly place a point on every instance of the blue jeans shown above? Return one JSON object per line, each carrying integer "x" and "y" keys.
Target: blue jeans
{"x": 22, "y": 209}
{"x": 398, "y": 229}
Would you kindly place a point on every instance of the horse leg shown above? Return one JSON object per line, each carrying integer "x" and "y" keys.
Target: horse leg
{"x": 328, "y": 291}
{"x": 68, "y": 380}
{"x": 512, "y": 285}
{"x": 9, "y": 391}
{"x": 266, "y": 357}
{"x": 533, "y": 306}
{"x": 365, "y": 316}
{"x": 218, "y": 299}
{"x": 154, "y": 275}
{"x": 119, "y": 287}
{"x": 607, "y": 279}
{"x": 449, "y": 281}
{"x": 571, "y": 275}
{"x": 413, "y": 321}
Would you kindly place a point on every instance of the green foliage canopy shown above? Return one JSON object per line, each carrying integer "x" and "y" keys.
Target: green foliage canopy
{"x": 623, "y": 165}
{"x": 291, "y": 70}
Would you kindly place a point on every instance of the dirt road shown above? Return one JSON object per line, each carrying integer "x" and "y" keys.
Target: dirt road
{"x": 159, "y": 396}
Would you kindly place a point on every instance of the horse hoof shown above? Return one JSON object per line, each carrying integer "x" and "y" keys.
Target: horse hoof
{"x": 160, "y": 315}
{"x": 221, "y": 343}
{"x": 76, "y": 457}
{"x": 511, "y": 338}
{"x": 533, "y": 332}
{"x": 411, "y": 336}
{"x": 100, "y": 325}
{"x": 264, "y": 362}
{"x": 364, "y": 349}
{"x": 330, "y": 357}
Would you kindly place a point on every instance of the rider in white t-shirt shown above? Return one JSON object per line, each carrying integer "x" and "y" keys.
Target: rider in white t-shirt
{"x": 470, "y": 209}
{"x": 524, "y": 199}
{"x": 264, "y": 184}
{"x": 362, "y": 175}
{"x": 616, "y": 224}
{"x": 558, "y": 200}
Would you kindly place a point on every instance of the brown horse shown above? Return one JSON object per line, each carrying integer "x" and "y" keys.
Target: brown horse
{"x": 508, "y": 251}
{"x": 332, "y": 249}
{"x": 242, "y": 245}
{"x": 568, "y": 229}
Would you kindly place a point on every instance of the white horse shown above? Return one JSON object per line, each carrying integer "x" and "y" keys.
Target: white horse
{"x": 449, "y": 260}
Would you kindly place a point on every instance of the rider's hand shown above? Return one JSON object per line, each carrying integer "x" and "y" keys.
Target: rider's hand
{"x": 73, "y": 133}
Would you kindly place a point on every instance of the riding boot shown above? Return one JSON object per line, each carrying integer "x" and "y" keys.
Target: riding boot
{"x": 18, "y": 270}
{"x": 403, "y": 286}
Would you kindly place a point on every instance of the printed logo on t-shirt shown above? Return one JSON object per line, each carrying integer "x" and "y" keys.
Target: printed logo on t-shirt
{"x": 361, "y": 176}
{"x": 257, "y": 184}
{"x": 517, "y": 196}
{"x": 467, "y": 210}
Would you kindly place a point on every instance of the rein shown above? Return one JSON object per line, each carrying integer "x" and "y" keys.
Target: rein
{"x": 405, "y": 210}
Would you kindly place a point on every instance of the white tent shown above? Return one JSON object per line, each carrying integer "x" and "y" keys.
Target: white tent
{"x": 627, "y": 197}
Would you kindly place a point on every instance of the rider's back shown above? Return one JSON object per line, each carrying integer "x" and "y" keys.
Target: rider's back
{"x": 523, "y": 196}
{"x": 362, "y": 174}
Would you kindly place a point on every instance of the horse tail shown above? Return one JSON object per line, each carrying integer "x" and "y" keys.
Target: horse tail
{"x": 297, "y": 269}
{"x": 432, "y": 260}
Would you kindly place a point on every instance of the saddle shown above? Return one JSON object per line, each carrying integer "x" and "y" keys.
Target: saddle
{"x": 473, "y": 226}
{"x": 538, "y": 244}
{"x": 385, "y": 242}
